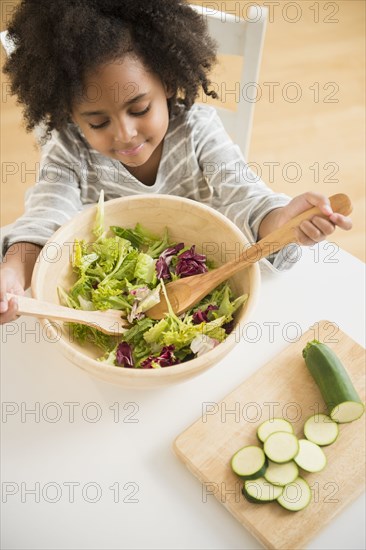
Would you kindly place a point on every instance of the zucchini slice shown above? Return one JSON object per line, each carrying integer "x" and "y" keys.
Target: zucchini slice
{"x": 281, "y": 474}
{"x": 281, "y": 447}
{"x": 249, "y": 462}
{"x": 342, "y": 400}
{"x": 296, "y": 495}
{"x": 310, "y": 457}
{"x": 273, "y": 425}
{"x": 260, "y": 490}
{"x": 320, "y": 429}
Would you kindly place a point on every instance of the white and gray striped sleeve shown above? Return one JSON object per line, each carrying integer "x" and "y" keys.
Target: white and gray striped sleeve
{"x": 55, "y": 197}
{"x": 237, "y": 192}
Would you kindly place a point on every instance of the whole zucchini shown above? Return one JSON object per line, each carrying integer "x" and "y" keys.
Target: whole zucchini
{"x": 335, "y": 385}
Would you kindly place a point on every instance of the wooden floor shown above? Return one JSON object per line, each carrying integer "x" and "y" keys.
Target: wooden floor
{"x": 316, "y": 143}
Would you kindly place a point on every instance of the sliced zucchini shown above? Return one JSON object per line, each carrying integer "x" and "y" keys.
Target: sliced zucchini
{"x": 249, "y": 462}
{"x": 281, "y": 447}
{"x": 310, "y": 457}
{"x": 260, "y": 490}
{"x": 281, "y": 474}
{"x": 296, "y": 495}
{"x": 321, "y": 429}
{"x": 273, "y": 425}
{"x": 342, "y": 400}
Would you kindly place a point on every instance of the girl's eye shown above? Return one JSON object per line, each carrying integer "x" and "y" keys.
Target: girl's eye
{"x": 104, "y": 124}
{"x": 140, "y": 113}
{"x": 98, "y": 126}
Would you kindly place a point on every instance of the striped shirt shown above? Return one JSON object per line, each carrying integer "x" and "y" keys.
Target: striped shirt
{"x": 199, "y": 161}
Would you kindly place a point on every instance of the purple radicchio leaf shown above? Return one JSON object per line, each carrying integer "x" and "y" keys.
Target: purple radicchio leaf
{"x": 165, "y": 359}
{"x": 202, "y": 344}
{"x": 190, "y": 263}
{"x": 140, "y": 293}
{"x": 201, "y": 316}
{"x": 229, "y": 327}
{"x": 124, "y": 355}
{"x": 164, "y": 260}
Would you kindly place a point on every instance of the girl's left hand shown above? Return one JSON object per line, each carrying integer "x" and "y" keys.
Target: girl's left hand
{"x": 318, "y": 228}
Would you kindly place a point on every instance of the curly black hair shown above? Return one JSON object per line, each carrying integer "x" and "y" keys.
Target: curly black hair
{"x": 58, "y": 42}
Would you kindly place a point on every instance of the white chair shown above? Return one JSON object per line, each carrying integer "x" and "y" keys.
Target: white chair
{"x": 6, "y": 42}
{"x": 243, "y": 37}
{"x": 235, "y": 36}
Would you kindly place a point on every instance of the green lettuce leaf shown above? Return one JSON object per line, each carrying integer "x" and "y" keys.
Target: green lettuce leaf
{"x": 128, "y": 266}
{"x": 145, "y": 268}
{"x": 85, "y": 334}
{"x": 98, "y": 229}
{"x": 109, "y": 296}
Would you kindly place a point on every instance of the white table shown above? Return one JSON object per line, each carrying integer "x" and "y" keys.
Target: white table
{"x": 92, "y": 467}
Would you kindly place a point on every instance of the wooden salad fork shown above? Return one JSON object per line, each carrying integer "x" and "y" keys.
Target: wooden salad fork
{"x": 186, "y": 292}
{"x": 109, "y": 322}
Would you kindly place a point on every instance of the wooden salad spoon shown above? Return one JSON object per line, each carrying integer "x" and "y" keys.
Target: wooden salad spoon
{"x": 185, "y": 293}
{"x": 109, "y": 322}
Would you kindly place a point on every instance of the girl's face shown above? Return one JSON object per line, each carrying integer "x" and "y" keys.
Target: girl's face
{"x": 123, "y": 113}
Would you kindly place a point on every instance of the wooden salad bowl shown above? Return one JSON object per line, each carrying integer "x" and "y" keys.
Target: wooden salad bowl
{"x": 187, "y": 221}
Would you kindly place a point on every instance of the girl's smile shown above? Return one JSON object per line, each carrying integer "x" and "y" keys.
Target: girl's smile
{"x": 130, "y": 152}
{"x": 123, "y": 114}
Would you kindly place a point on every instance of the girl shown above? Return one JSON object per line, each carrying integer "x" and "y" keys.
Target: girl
{"x": 113, "y": 83}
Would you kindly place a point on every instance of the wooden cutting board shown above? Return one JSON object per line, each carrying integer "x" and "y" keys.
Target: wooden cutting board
{"x": 285, "y": 387}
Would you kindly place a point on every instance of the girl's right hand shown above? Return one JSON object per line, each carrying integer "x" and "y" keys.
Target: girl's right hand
{"x": 9, "y": 282}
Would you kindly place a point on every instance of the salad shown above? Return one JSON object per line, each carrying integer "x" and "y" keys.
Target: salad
{"x": 126, "y": 270}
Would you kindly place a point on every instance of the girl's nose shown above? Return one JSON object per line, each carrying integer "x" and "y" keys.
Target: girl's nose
{"x": 124, "y": 131}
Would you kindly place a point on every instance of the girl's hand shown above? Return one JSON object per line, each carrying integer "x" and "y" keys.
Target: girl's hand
{"x": 318, "y": 228}
{"x": 9, "y": 282}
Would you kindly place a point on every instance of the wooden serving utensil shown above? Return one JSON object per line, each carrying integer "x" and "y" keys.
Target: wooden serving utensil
{"x": 185, "y": 293}
{"x": 109, "y": 322}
